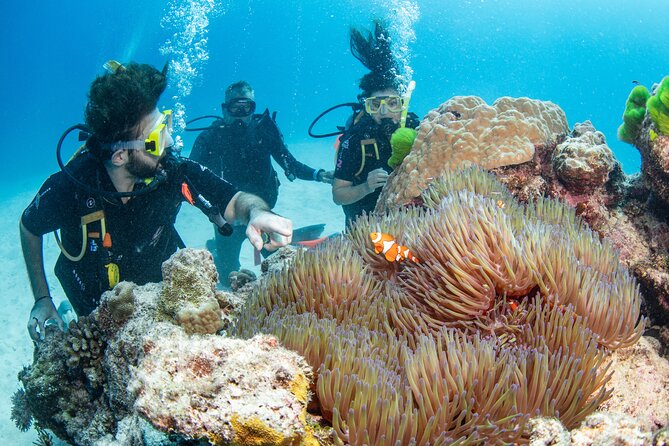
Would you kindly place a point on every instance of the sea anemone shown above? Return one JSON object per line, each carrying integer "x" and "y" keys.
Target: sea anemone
{"x": 509, "y": 314}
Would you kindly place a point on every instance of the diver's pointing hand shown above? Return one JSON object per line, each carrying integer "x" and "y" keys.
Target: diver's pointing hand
{"x": 376, "y": 178}
{"x": 279, "y": 228}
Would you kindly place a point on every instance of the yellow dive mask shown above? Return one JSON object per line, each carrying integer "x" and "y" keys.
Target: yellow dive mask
{"x": 393, "y": 104}
{"x": 157, "y": 141}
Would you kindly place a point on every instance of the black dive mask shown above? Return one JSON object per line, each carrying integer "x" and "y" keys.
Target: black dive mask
{"x": 240, "y": 107}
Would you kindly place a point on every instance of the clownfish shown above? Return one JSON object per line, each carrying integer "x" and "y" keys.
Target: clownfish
{"x": 394, "y": 252}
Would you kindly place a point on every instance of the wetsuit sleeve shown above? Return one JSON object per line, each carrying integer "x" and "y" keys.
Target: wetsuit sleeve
{"x": 203, "y": 181}
{"x": 284, "y": 158}
{"x": 50, "y": 207}
{"x": 204, "y": 150}
{"x": 348, "y": 158}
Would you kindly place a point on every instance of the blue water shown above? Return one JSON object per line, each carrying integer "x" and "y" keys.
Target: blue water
{"x": 582, "y": 55}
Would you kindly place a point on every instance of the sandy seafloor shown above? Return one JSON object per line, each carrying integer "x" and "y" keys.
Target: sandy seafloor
{"x": 305, "y": 202}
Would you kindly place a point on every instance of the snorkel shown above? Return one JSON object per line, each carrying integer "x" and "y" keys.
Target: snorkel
{"x": 407, "y": 99}
{"x": 402, "y": 139}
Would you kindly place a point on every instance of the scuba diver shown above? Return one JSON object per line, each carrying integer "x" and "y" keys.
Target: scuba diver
{"x": 239, "y": 147}
{"x": 362, "y": 168}
{"x": 116, "y": 201}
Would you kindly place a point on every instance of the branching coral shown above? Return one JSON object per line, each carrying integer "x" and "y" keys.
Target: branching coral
{"x": 21, "y": 415}
{"x": 85, "y": 347}
{"x": 508, "y": 315}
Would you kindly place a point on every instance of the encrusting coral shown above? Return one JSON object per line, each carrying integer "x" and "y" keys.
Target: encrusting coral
{"x": 509, "y": 314}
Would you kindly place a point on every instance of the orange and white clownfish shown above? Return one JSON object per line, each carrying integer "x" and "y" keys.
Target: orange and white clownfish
{"x": 394, "y": 252}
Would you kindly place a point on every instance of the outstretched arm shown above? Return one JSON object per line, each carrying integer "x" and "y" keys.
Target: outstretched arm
{"x": 344, "y": 192}
{"x": 43, "y": 308}
{"x": 256, "y": 214}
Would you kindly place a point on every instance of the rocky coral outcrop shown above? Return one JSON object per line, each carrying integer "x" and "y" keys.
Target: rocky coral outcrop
{"x": 466, "y": 131}
{"x": 640, "y": 383}
{"x": 155, "y": 378}
{"x": 598, "y": 429}
{"x": 583, "y": 161}
{"x": 225, "y": 390}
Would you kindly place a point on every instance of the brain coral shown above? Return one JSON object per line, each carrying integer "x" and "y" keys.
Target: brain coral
{"x": 464, "y": 131}
{"x": 510, "y": 313}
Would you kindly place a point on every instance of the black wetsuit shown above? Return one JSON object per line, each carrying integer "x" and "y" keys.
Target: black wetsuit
{"x": 364, "y": 147}
{"x": 243, "y": 156}
{"x": 142, "y": 230}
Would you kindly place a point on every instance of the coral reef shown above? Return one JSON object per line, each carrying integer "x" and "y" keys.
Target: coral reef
{"x": 640, "y": 383}
{"x": 205, "y": 388}
{"x": 61, "y": 398}
{"x": 583, "y": 161}
{"x": 155, "y": 382}
{"x": 85, "y": 346}
{"x": 598, "y": 429}
{"x": 240, "y": 278}
{"x": 635, "y": 111}
{"x": 658, "y": 107}
{"x": 576, "y": 167}
{"x": 464, "y": 131}
{"x": 510, "y": 313}
{"x": 610, "y": 428}
{"x": 21, "y": 415}
{"x": 189, "y": 294}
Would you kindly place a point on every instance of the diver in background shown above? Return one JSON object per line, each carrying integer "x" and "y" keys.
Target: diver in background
{"x": 240, "y": 148}
{"x": 116, "y": 202}
{"x": 362, "y": 168}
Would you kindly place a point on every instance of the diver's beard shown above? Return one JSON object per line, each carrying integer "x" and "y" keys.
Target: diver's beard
{"x": 140, "y": 167}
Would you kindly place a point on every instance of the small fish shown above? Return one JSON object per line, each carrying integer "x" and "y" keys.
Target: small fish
{"x": 394, "y": 252}
{"x": 513, "y": 303}
{"x": 501, "y": 204}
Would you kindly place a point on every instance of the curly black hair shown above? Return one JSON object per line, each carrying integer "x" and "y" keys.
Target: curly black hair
{"x": 375, "y": 52}
{"x": 118, "y": 100}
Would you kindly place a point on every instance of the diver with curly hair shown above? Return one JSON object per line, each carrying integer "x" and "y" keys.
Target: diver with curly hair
{"x": 362, "y": 167}
{"x": 116, "y": 202}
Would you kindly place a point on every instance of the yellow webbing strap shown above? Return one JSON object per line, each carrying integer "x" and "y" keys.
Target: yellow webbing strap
{"x": 363, "y": 143}
{"x": 85, "y": 220}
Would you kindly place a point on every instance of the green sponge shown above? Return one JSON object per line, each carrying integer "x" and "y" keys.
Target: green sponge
{"x": 635, "y": 110}
{"x": 401, "y": 142}
{"x": 658, "y": 107}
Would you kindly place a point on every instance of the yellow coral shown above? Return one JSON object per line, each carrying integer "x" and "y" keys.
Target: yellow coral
{"x": 253, "y": 432}
{"x": 300, "y": 387}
